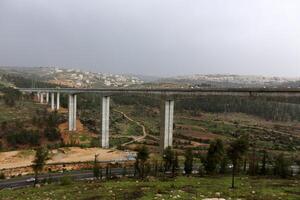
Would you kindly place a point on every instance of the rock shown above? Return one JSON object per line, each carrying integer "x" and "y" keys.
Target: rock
{"x": 218, "y": 194}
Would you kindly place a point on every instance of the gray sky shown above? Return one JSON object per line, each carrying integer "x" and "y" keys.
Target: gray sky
{"x": 153, "y": 37}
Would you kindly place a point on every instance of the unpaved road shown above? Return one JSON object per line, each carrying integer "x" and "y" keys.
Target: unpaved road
{"x": 135, "y": 138}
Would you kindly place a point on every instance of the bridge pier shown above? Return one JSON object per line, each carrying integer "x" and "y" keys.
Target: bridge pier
{"x": 47, "y": 97}
{"x": 105, "y": 122}
{"x": 38, "y": 96}
{"x": 166, "y": 127}
{"x": 42, "y": 98}
{"x": 57, "y": 101}
{"x": 72, "y": 111}
{"x": 52, "y": 101}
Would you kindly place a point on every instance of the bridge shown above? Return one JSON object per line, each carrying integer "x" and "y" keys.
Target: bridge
{"x": 167, "y": 96}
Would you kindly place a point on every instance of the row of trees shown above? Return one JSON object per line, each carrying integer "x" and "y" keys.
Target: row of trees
{"x": 268, "y": 108}
{"x": 235, "y": 152}
{"x": 218, "y": 160}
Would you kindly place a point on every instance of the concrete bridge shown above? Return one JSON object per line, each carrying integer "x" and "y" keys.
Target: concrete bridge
{"x": 168, "y": 96}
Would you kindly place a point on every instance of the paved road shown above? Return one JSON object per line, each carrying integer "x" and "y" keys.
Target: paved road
{"x": 23, "y": 181}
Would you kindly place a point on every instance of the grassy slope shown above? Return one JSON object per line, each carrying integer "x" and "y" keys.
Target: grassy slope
{"x": 226, "y": 126}
{"x": 24, "y": 110}
{"x": 179, "y": 188}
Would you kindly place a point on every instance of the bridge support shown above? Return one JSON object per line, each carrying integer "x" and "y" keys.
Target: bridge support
{"x": 166, "y": 128}
{"x": 38, "y": 96}
{"x": 57, "y": 101}
{"x": 52, "y": 101}
{"x": 72, "y": 112}
{"x": 105, "y": 122}
{"x": 47, "y": 97}
{"x": 42, "y": 98}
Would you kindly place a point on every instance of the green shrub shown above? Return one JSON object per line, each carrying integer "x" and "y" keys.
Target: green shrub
{"x": 66, "y": 180}
{"x": 24, "y": 137}
{"x": 2, "y": 176}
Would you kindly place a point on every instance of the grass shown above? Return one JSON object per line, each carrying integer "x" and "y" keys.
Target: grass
{"x": 22, "y": 111}
{"x": 113, "y": 142}
{"x": 178, "y": 188}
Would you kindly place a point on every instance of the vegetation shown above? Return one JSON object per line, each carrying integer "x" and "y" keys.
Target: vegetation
{"x": 41, "y": 156}
{"x": 188, "y": 162}
{"x": 236, "y": 150}
{"x": 214, "y": 156}
{"x": 174, "y": 188}
{"x": 24, "y": 137}
{"x": 141, "y": 159}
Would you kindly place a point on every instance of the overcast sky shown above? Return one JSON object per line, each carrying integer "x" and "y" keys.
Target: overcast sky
{"x": 153, "y": 37}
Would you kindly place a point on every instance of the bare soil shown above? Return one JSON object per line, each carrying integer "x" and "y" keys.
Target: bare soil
{"x": 13, "y": 159}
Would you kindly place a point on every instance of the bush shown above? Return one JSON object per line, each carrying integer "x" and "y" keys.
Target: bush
{"x": 52, "y": 134}
{"x": 24, "y": 137}
{"x": 66, "y": 180}
{"x": 281, "y": 166}
{"x": 2, "y": 176}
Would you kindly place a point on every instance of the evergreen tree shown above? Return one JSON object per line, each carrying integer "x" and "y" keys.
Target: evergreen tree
{"x": 263, "y": 170}
{"x": 142, "y": 157}
{"x": 188, "y": 163}
{"x": 168, "y": 157}
{"x": 281, "y": 166}
{"x": 96, "y": 170}
{"x": 214, "y": 156}
{"x": 41, "y": 156}
{"x": 236, "y": 150}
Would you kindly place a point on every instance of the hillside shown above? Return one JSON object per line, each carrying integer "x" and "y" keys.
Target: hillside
{"x": 223, "y": 80}
{"x": 84, "y": 79}
{"x": 71, "y": 77}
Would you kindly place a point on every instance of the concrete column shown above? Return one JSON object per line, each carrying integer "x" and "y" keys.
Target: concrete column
{"x": 105, "y": 122}
{"x": 57, "y": 101}
{"x": 71, "y": 100}
{"x": 52, "y": 101}
{"x": 38, "y": 96}
{"x": 166, "y": 129}
{"x": 47, "y": 97}
{"x": 42, "y": 98}
{"x": 72, "y": 112}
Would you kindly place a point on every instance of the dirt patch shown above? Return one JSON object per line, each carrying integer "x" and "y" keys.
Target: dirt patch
{"x": 74, "y": 137}
{"x": 13, "y": 159}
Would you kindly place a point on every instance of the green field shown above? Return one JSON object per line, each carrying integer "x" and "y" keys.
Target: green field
{"x": 178, "y": 188}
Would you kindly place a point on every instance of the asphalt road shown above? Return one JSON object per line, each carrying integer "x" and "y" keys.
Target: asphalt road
{"x": 23, "y": 181}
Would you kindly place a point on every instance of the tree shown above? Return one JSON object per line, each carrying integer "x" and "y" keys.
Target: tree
{"x": 52, "y": 133}
{"x": 236, "y": 150}
{"x": 175, "y": 164}
{"x": 168, "y": 157}
{"x": 41, "y": 156}
{"x": 96, "y": 170}
{"x": 214, "y": 156}
{"x": 142, "y": 157}
{"x": 253, "y": 163}
{"x": 188, "y": 163}
{"x": 281, "y": 166}
{"x": 263, "y": 169}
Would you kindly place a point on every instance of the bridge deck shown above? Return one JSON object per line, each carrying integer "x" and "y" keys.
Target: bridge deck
{"x": 177, "y": 91}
